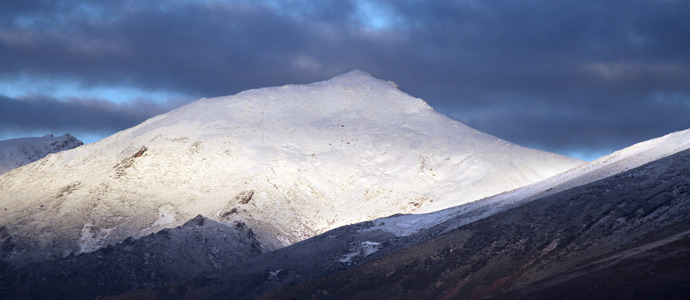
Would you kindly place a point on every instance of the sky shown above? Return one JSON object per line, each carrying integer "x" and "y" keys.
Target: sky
{"x": 580, "y": 78}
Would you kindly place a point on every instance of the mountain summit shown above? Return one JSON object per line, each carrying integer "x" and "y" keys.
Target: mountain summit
{"x": 289, "y": 162}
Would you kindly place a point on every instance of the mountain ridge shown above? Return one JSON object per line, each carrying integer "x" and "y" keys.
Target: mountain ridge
{"x": 18, "y": 152}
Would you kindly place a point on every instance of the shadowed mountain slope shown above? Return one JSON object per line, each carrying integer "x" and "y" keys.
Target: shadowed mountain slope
{"x": 200, "y": 245}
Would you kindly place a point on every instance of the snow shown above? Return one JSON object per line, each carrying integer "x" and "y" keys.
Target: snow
{"x": 314, "y": 157}
{"x": 360, "y": 250}
{"x": 91, "y": 238}
{"x": 15, "y": 153}
{"x": 615, "y": 163}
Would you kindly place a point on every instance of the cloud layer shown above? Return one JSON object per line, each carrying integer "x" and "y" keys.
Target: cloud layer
{"x": 86, "y": 118}
{"x": 563, "y": 76}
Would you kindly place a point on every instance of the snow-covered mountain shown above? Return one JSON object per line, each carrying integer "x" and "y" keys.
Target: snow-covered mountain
{"x": 15, "y": 153}
{"x": 290, "y": 162}
{"x": 617, "y": 219}
{"x": 601, "y": 217}
{"x": 578, "y": 238}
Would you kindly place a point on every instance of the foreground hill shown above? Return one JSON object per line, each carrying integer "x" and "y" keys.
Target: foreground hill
{"x": 15, "y": 153}
{"x": 290, "y": 162}
{"x": 200, "y": 245}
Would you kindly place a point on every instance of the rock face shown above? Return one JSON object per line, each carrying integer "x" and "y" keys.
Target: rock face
{"x": 289, "y": 162}
{"x": 15, "y": 153}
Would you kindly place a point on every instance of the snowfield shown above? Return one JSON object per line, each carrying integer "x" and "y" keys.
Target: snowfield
{"x": 290, "y": 162}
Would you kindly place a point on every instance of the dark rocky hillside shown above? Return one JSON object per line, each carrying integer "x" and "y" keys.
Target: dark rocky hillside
{"x": 200, "y": 245}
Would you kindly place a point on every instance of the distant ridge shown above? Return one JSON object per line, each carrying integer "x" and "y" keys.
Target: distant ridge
{"x": 15, "y": 153}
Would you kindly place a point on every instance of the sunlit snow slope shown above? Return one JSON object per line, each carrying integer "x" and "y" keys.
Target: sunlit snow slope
{"x": 290, "y": 162}
{"x": 612, "y": 164}
{"x": 15, "y": 153}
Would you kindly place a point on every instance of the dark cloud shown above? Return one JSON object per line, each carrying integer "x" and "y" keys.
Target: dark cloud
{"x": 559, "y": 75}
{"x": 50, "y": 115}
{"x": 581, "y": 124}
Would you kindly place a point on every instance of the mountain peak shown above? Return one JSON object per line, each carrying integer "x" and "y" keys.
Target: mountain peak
{"x": 356, "y": 73}
{"x": 355, "y": 98}
{"x": 361, "y": 78}
{"x": 289, "y": 162}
